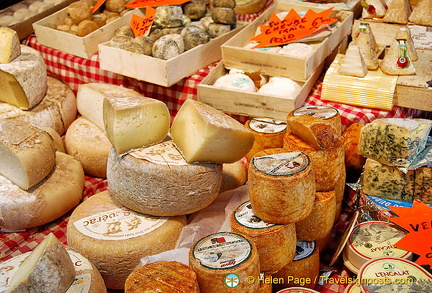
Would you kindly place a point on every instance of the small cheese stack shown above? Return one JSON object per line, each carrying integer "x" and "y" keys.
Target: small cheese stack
{"x": 10, "y": 47}
{"x": 162, "y": 277}
{"x": 320, "y": 221}
{"x": 223, "y": 255}
{"x": 23, "y": 81}
{"x": 88, "y": 144}
{"x": 305, "y": 267}
{"x": 27, "y": 153}
{"x": 281, "y": 185}
{"x": 275, "y": 243}
{"x": 205, "y": 134}
{"x": 115, "y": 238}
{"x": 171, "y": 186}
{"x": 48, "y": 268}
{"x": 134, "y": 122}
{"x": 268, "y": 134}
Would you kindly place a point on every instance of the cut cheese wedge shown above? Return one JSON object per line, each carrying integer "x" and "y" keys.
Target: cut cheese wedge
{"x": 48, "y": 268}
{"x": 205, "y": 134}
{"x": 27, "y": 153}
{"x": 9, "y": 45}
{"x": 134, "y": 122}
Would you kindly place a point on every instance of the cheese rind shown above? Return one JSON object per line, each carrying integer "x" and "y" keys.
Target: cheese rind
{"x": 134, "y": 122}
{"x": 10, "y": 47}
{"x": 205, "y": 134}
{"x": 352, "y": 63}
{"x": 27, "y": 153}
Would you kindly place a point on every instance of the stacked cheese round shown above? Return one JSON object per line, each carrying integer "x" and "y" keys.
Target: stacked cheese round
{"x": 281, "y": 185}
{"x": 115, "y": 238}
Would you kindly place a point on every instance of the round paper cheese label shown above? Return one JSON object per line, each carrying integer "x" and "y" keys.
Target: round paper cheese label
{"x": 118, "y": 224}
{"x": 164, "y": 153}
{"x": 297, "y": 290}
{"x": 245, "y": 216}
{"x": 222, "y": 250}
{"x": 267, "y": 125}
{"x": 283, "y": 164}
{"x": 304, "y": 249}
{"x": 322, "y": 112}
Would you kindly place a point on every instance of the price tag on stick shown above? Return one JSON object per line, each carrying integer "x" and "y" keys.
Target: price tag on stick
{"x": 141, "y": 25}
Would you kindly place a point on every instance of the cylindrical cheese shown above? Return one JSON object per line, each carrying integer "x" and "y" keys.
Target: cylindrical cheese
{"x": 225, "y": 261}
{"x": 320, "y": 221}
{"x": 268, "y": 134}
{"x": 281, "y": 185}
{"x": 170, "y": 187}
{"x": 276, "y": 244}
{"x": 328, "y": 163}
{"x": 115, "y": 238}
{"x": 307, "y": 115}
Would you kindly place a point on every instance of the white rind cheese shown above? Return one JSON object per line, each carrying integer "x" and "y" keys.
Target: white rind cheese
{"x": 23, "y": 81}
{"x": 205, "y": 134}
{"x": 27, "y": 153}
{"x": 10, "y": 47}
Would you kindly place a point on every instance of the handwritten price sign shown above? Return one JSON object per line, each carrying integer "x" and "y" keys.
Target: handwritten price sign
{"x": 141, "y": 25}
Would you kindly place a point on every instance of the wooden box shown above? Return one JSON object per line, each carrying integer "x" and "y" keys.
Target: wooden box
{"x": 252, "y": 104}
{"x": 159, "y": 71}
{"x": 273, "y": 64}
{"x": 83, "y": 47}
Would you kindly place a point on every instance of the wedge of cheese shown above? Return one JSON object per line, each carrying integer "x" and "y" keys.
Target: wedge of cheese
{"x": 135, "y": 122}
{"x": 48, "y": 268}
{"x": 27, "y": 153}
{"x": 10, "y": 47}
{"x": 353, "y": 63}
{"x": 205, "y": 134}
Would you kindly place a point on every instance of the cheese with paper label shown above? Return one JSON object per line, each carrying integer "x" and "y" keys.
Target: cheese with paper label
{"x": 10, "y": 47}
{"x": 23, "y": 81}
{"x": 205, "y": 134}
{"x": 27, "y": 153}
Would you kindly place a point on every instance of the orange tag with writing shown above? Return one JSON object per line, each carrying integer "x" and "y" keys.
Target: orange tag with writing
{"x": 97, "y": 5}
{"x": 418, "y": 221}
{"x": 154, "y": 3}
{"x": 292, "y": 28}
{"x": 141, "y": 25}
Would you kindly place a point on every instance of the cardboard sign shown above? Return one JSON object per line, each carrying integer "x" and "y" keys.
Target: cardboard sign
{"x": 97, "y": 5}
{"x": 141, "y": 25}
{"x": 292, "y": 28}
{"x": 154, "y": 3}
{"x": 418, "y": 221}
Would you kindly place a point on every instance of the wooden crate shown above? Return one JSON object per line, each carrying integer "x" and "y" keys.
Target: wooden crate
{"x": 251, "y": 104}
{"x": 299, "y": 69}
{"x": 83, "y": 47}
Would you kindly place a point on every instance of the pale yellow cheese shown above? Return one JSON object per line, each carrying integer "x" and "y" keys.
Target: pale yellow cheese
{"x": 205, "y": 134}
{"x": 134, "y": 122}
{"x": 48, "y": 268}
{"x": 27, "y": 153}
{"x": 9, "y": 45}
{"x": 57, "y": 140}
{"x": 233, "y": 175}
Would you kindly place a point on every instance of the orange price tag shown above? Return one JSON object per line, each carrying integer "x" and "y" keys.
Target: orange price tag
{"x": 292, "y": 28}
{"x": 154, "y": 3}
{"x": 141, "y": 25}
{"x": 97, "y": 5}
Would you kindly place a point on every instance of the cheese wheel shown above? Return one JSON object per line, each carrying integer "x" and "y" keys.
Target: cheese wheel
{"x": 268, "y": 134}
{"x": 162, "y": 277}
{"x": 23, "y": 81}
{"x": 171, "y": 186}
{"x": 320, "y": 221}
{"x": 275, "y": 243}
{"x": 10, "y": 47}
{"x": 115, "y": 238}
{"x": 249, "y": 6}
{"x": 351, "y": 136}
{"x": 328, "y": 163}
{"x": 225, "y": 260}
{"x": 57, "y": 109}
{"x": 88, "y": 144}
{"x": 233, "y": 175}
{"x": 58, "y": 193}
{"x": 27, "y": 153}
{"x": 328, "y": 115}
{"x": 303, "y": 271}
{"x": 281, "y": 185}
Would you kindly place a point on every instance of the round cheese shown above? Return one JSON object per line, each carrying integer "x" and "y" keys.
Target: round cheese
{"x": 236, "y": 81}
{"x": 351, "y": 137}
{"x": 162, "y": 277}
{"x": 328, "y": 163}
{"x": 57, "y": 109}
{"x": 58, "y": 193}
{"x": 268, "y": 134}
{"x": 297, "y": 290}
{"x": 88, "y": 144}
{"x": 276, "y": 244}
{"x": 249, "y": 6}
{"x": 329, "y": 114}
{"x": 171, "y": 186}
{"x": 320, "y": 221}
{"x": 281, "y": 185}
{"x": 115, "y": 238}
{"x": 225, "y": 260}
{"x": 303, "y": 271}
{"x": 233, "y": 175}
